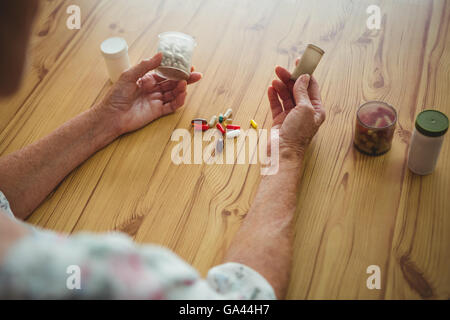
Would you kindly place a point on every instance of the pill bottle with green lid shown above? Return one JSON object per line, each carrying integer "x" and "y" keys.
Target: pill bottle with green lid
{"x": 426, "y": 141}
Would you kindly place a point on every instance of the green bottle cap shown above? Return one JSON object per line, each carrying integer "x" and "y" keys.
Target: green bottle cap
{"x": 432, "y": 123}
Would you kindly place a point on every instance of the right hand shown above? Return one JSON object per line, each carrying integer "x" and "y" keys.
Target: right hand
{"x": 300, "y": 112}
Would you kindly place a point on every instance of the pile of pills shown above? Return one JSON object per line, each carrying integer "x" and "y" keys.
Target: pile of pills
{"x": 175, "y": 55}
{"x": 177, "y": 49}
{"x": 223, "y": 123}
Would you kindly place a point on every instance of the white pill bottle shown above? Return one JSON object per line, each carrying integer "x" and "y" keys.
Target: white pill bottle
{"x": 115, "y": 52}
{"x": 426, "y": 141}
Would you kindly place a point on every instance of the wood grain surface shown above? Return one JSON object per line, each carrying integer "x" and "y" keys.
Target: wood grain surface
{"x": 353, "y": 210}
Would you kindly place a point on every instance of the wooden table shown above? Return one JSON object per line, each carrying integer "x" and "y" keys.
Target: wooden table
{"x": 353, "y": 210}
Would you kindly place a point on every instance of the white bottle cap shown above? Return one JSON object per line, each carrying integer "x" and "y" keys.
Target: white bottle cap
{"x": 114, "y": 47}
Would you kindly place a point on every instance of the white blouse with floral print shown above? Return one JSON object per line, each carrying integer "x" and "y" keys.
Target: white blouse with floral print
{"x": 112, "y": 266}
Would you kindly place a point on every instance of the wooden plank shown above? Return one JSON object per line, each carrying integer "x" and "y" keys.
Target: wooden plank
{"x": 353, "y": 211}
{"x": 48, "y": 42}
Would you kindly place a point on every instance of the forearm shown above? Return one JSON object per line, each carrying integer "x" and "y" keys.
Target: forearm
{"x": 264, "y": 241}
{"x": 27, "y": 176}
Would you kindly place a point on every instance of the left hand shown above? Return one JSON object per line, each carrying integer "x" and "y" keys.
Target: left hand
{"x": 139, "y": 97}
{"x": 299, "y": 114}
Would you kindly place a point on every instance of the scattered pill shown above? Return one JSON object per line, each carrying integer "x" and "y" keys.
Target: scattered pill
{"x": 202, "y": 127}
{"x": 203, "y": 121}
{"x": 232, "y": 127}
{"x": 221, "y": 129}
{"x": 212, "y": 122}
{"x": 228, "y": 121}
{"x": 253, "y": 124}
{"x": 233, "y": 134}
{"x": 221, "y": 118}
{"x": 219, "y": 146}
{"x": 228, "y": 113}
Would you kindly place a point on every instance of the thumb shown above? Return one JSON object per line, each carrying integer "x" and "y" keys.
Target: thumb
{"x": 300, "y": 89}
{"x": 146, "y": 65}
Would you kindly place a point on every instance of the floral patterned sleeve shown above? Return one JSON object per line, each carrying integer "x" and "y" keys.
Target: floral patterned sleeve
{"x": 112, "y": 266}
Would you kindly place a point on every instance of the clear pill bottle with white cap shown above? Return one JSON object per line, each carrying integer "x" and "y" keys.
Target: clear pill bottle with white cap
{"x": 426, "y": 141}
{"x": 115, "y": 52}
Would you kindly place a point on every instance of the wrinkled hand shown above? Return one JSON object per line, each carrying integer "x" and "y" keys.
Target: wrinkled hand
{"x": 300, "y": 112}
{"x": 139, "y": 97}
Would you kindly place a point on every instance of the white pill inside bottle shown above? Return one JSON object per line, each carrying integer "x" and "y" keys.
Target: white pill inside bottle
{"x": 115, "y": 53}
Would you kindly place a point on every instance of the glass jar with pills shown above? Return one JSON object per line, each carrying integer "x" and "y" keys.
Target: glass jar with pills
{"x": 177, "y": 49}
{"x": 375, "y": 126}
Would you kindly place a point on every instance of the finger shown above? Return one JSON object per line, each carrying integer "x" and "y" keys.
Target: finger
{"x": 158, "y": 78}
{"x": 150, "y": 84}
{"x": 162, "y": 86}
{"x": 147, "y": 82}
{"x": 173, "y": 105}
{"x": 314, "y": 92}
{"x": 283, "y": 74}
{"x": 194, "y": 77}
{"x": 158, "y": 83}
{"x": 171, "y": 95}
{"x": 275, "y": 105}
{"x": 155, "y": 96}
{"x": 301, "y": 89}
{"x": 320, "y": 114}
{"x": 284, "y": 95}
{"x": 139, "y": 70}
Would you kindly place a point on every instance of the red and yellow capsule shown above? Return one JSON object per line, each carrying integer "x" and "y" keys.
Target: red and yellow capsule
{"x": 232, "y": 127}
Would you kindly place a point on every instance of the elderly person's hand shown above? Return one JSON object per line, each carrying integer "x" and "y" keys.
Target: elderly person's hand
{"x": 300, "y": 112}
{"x": 139, "y": 97}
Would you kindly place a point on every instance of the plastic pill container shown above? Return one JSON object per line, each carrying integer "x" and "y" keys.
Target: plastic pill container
{"x": 308, "y": 62}
{"x": 375, "y": 126}
{"x": 177, "y": 49}
{"x": 426, "y": 141}
{"x": 115, "y": 52}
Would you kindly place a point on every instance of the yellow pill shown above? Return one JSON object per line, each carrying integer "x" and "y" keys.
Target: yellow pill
{"x": 253, "y": 124}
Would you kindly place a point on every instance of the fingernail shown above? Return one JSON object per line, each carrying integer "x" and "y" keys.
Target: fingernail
{"x": 304, "y": 77}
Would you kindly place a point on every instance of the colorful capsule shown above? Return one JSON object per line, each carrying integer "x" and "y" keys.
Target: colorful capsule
{"x": 253, "y": 124}
{"x": 233, "y": 134}
{"x": 221, "y": 118}
{"x": 232, "y": 127}
{"x": 228, "y": 121}
{"x": 221, "y": 129}
{"x": 202, "y": 127}
{"x": 219, "y": 146}
{"x": 212, "y": 122}
{"x": 228, "y": 113}
{"x": 203, "y": 121}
